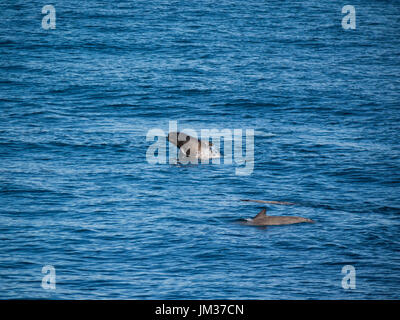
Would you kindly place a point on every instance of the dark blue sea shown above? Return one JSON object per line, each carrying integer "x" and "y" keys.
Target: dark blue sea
{"x": 76, "y": 189}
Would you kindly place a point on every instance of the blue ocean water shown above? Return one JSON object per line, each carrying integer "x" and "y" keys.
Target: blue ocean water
{"x": 76, "y": 190}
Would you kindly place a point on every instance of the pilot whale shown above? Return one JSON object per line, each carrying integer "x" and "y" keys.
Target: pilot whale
{"x": 262, "y": 219}
{"x": 192, "y": 148}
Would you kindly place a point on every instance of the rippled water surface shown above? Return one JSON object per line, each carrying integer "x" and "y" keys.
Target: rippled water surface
{"x": 76, "y": 190}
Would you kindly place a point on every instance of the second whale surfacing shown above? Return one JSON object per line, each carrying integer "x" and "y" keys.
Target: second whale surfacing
{"x": 262, "y": 219}
{"x": 192, "y": 148}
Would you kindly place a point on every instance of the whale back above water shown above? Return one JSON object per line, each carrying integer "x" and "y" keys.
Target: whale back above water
{"x": 262, "y": 219}
{"x": 191, "y": 147}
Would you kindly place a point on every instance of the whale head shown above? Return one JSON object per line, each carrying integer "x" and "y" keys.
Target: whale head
{"x": 191, "y": 147}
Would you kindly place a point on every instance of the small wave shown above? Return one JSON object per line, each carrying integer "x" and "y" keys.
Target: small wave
{"x": 264, "y": 134}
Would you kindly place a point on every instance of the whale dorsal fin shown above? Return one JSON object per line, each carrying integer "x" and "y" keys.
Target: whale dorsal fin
{"x": 261, "y": 214}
